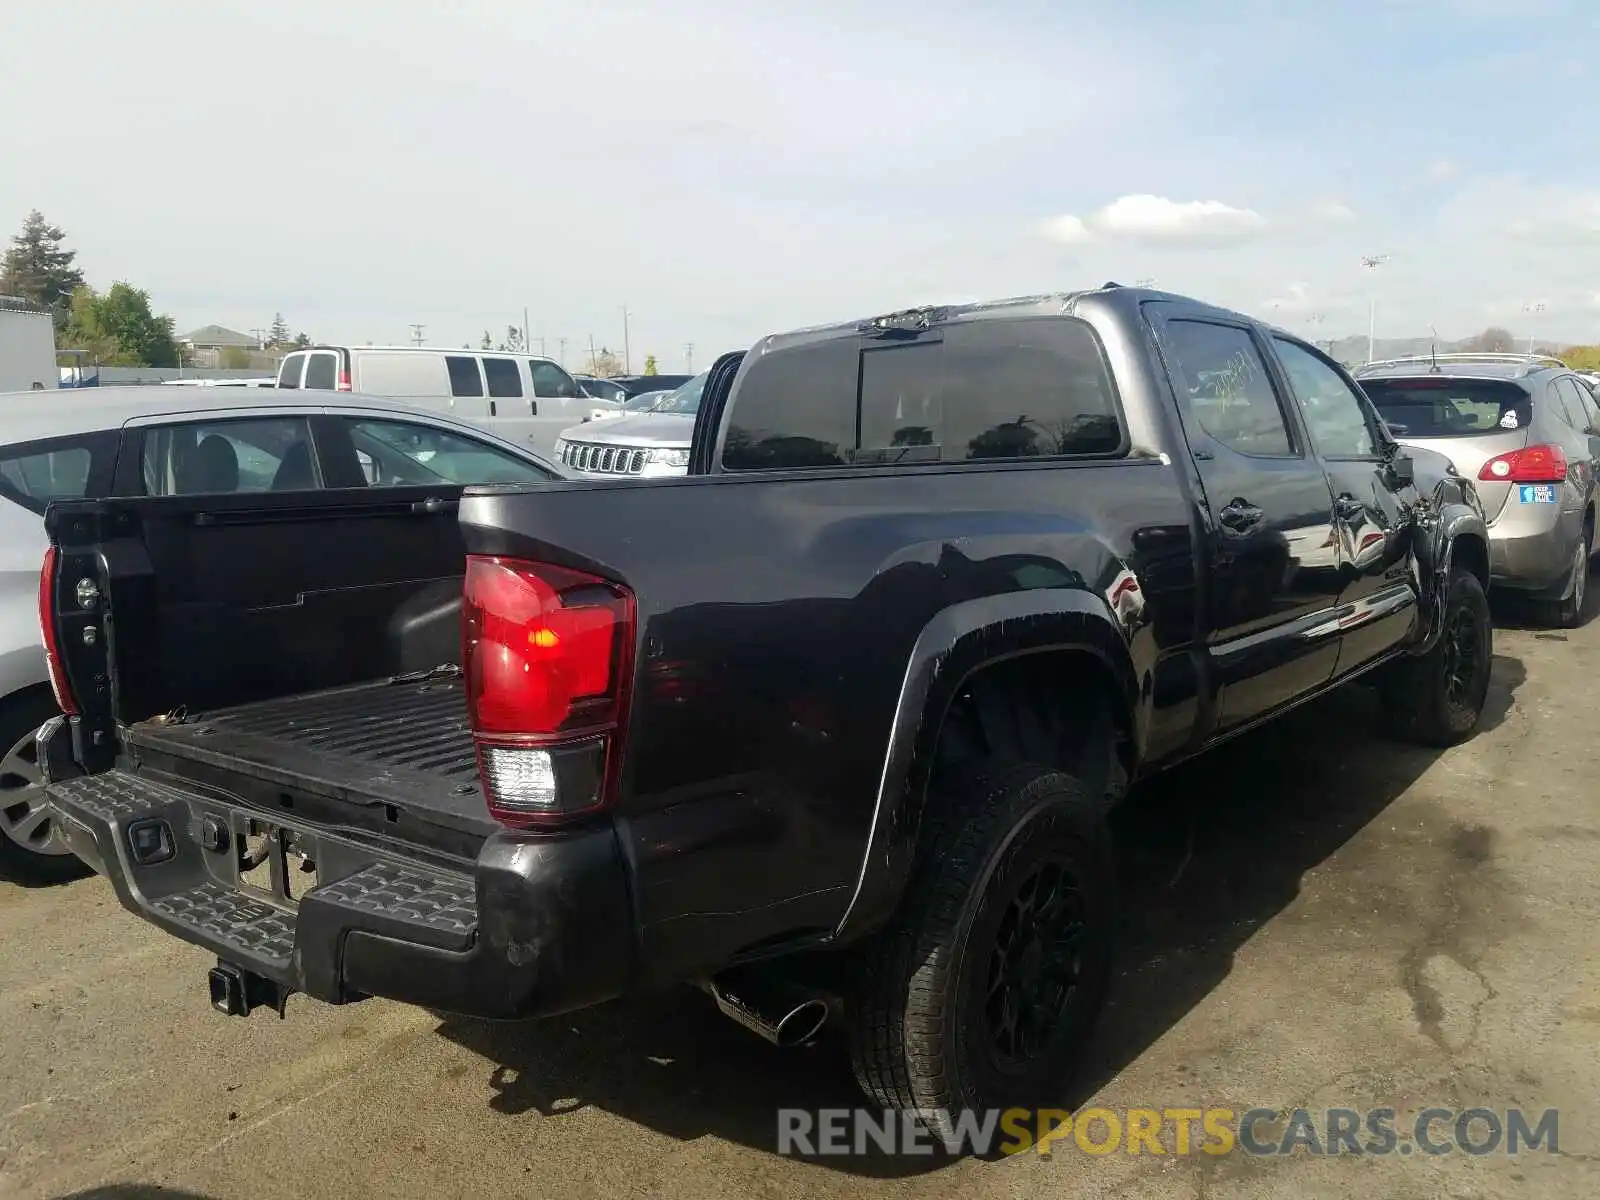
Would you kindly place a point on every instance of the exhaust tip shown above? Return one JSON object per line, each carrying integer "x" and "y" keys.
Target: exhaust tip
{"x": 801, "y": 1024}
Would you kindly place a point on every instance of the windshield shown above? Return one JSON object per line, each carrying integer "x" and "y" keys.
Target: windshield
{"x": 645, "y": 401}
{"x": 685, "y": 399}
{"x": 1429, "y": 408}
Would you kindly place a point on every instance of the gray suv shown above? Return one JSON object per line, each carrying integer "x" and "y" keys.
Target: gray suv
{"x": 1526, "y": 430}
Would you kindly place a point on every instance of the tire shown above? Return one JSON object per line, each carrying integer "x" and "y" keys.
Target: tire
{"x": 921, "y": 1016}
{"x": 30, "y": 849}
{"x": 1436, "y": 699}
{"x": 1567, "y": 612}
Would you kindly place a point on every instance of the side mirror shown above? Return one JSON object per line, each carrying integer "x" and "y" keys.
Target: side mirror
{"x": 1402, "y": 470}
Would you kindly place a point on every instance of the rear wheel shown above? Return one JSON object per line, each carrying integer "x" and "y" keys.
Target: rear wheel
{"x": 31, "y": 848}
{"x": 981, "y": 991}
{"x": 1437, "y": 698}
{"x": 1567, "y": 612}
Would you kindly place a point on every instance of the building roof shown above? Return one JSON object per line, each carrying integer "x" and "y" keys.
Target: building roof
{"x": 217, "y": 335}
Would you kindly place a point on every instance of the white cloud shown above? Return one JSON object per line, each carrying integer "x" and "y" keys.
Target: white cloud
{"x": 1149, "y": 218}
{"x": 1441, "y": 169}
{"x": 1067, "y": 229}
{"x": 1333, "y": 212}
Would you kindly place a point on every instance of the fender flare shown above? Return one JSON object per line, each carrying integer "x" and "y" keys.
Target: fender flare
{"x": 953, "y": 645}
{"x": 1455, "y": 520}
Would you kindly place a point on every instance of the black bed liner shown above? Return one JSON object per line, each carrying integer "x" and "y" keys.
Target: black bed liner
{"x": 403, "y": 742}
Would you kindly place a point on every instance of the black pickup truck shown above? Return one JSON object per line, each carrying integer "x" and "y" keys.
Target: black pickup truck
{"x": 828, "y": 727}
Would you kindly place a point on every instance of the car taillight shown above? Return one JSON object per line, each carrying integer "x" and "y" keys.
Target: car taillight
{"x": 547, "y": 653}
{"x": 342, "y": 384}
{"x": 47, "y": 631}
{"x": 1533, "y": 464}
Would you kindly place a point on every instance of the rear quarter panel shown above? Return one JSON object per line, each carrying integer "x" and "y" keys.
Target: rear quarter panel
{"x": 777, "y": 617}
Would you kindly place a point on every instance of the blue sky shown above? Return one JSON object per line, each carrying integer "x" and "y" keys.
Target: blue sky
{"x": 728, "y": 169}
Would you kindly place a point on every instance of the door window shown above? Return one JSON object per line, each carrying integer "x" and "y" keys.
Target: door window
{"x": 289, "y": 370}
{"x": 1580, "y": 404}
{"x": 464, "y": 377}
{"x": 551, "y": 382}
{"x": 402, "y": 453}
{"x": 265, "y": 454}
{"x": 1335, "y": 415}
{"x": 1228, "y": 389}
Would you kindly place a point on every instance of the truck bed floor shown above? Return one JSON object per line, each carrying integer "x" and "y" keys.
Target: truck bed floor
{"x": 404, "y": 742}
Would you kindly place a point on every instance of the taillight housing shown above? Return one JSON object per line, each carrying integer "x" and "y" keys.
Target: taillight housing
{"x": 1532, "y": 464}
{"x": 342, "y": 383}
{"x": 547, "y": 654}
{"x": 65, "y": 700}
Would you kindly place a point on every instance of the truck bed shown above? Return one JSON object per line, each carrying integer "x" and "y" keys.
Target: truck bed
{"x": 393, "y": 747}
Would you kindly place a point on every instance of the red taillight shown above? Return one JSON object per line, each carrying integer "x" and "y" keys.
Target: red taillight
{"x": 1534, "y": 464}
{"x": 547, "y": 654}
{"x": 47, "y": 631}
{"x": 342, "y": 384}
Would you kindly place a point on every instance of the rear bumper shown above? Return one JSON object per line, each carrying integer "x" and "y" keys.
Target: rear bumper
{"x": 540, "y": 926}
{"x": 1532, "y": 561}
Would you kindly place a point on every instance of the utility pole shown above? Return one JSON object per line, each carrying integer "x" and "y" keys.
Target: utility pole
{"x": 627, "y": 356}
{"x": 416, "y": 335}
{"x": 593, "y": 362}
{"x": 542, "y": 354}
{"x": 561, "y": 352}
{"x": 1372, "y": 262}
{"x": 1532, "y": 307}
{"x": 527, "y": 334}
{"x": 260, "y": 339}
{"x": 688, "y": 358}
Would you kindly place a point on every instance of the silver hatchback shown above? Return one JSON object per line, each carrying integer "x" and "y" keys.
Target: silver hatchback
{"x": 1527, "y": 431}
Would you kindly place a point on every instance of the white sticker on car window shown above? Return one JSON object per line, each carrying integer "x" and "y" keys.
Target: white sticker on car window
{"x": 1509, "y": 420}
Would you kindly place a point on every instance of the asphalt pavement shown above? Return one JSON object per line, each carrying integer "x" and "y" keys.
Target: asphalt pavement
{"x": 1316, "y": 917}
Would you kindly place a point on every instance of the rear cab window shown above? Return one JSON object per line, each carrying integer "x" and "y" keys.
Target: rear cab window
{"x": 1440, "y": 407}
{"x": 984, "y": 390}
{"x": 322, "y": 371}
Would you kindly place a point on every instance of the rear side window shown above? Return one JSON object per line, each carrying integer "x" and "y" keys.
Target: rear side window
{"x": 321, "y": 370}
{"x": 1433, "y": 407}
{"x": 976, "y": 391}
{"x": 34, "y": 475}
{"x": 505, "y": 377}
{"x": 289, "y": 370}
{"x": 464, "y": 377}
{"x": 266, "y": 454}
{"x": 1580, "y": 403}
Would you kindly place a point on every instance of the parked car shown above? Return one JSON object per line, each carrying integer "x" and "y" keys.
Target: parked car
{"x": 1526, "y": 430}
{"x": 158, "y": 441}
{"x": 520, "y": 397}
{"x": 622, "y": 388}
{"x": 653, "y": 443}
{"x": 847, "y": 721}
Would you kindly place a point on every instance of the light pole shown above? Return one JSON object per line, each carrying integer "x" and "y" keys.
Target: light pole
{"x": 1372, "y": 262}
{"x": 627, "y": 357}
{"x": 1532, "y": 307}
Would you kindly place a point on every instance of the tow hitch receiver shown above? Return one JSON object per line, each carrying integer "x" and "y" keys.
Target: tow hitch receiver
{"x": 236, "y": 992}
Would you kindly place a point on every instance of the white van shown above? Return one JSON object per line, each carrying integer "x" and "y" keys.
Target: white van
{"x": 519, "y": 396}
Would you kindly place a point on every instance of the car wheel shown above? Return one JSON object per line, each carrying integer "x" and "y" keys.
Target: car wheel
{"x": 1437, "y": 698}
{"x": 984, "y": 986}
{"x": 31, "y": 848}
{"x": 1567, "y": 612}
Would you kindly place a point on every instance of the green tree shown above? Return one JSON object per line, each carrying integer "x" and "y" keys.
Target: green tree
{"x": 235, "y": 358}
{"x": 301, "y": 341}
{"x": 39, "y": 269}
{"x": 119, "y": 329}
{"x": 487, "y": 343}
{"x": 650, "y": 365}
{"x": 278, "y": 337}
{"x": 515, "y": 341}
{"x": 604, "y": 364}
